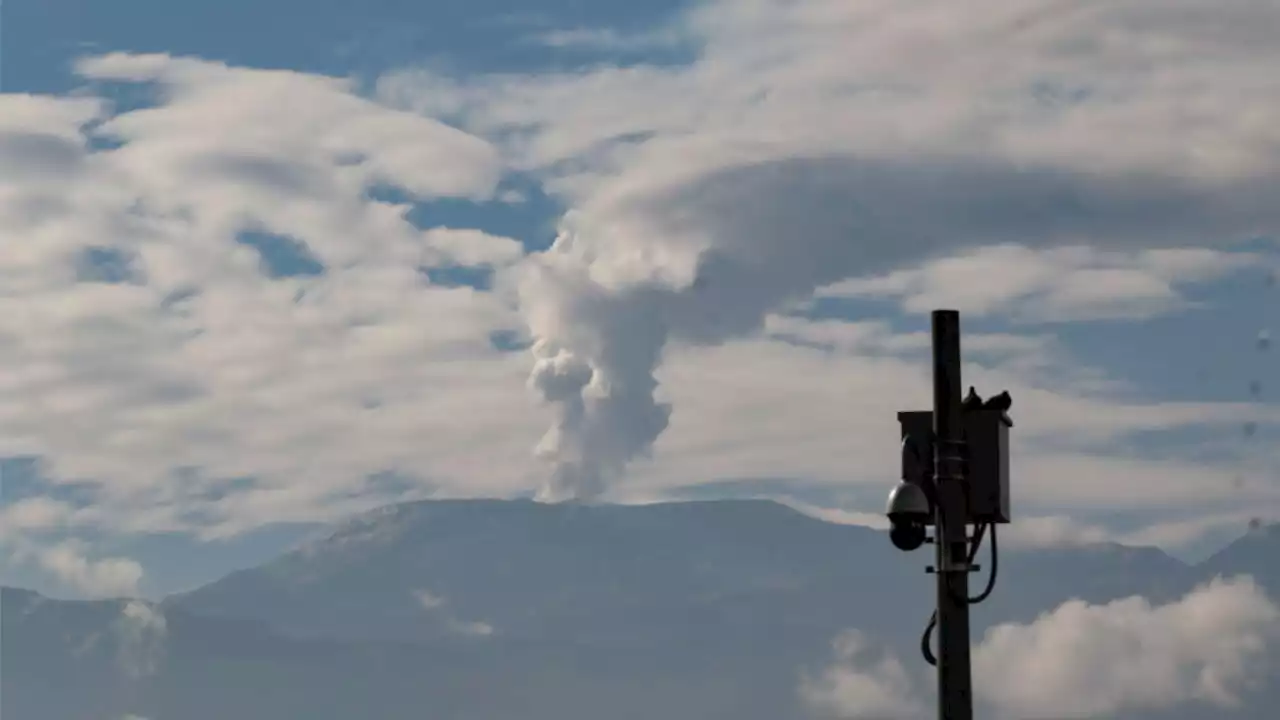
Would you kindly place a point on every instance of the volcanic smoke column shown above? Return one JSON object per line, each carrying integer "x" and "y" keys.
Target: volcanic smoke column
{"x": 601, "y": 314}
{"x": 595, "y": 353}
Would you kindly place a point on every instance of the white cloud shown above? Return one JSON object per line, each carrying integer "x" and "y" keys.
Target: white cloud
{"x": 862, "y": 687}
{"x": 33, "y": 514}
{"x": 1051, "y": 531}
{"x": 437, "y": 605}
{"x": 473, "y": 628}
{"x": 1178, "y": 533}
{"x": 1085, "y": 661}
{"x": 1079, "y": 283}
{"x": 199, "y": 369}
{"x": 428, "y": 600}
{"x": 761, "y": 408}
{"x": 817, "y": 141}
{"x": 1175, "y": 533}
{"x": 473, "y": 248}
{"x": 835, "y": 515}
{"x": 109, "y": 577}
{"x": 225, "y": 124}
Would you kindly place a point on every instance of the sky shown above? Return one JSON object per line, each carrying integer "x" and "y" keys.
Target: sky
{"x": 263, "y": 265}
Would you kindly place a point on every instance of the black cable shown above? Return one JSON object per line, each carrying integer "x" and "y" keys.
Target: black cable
{"x": 995, "y": 568}
{"x": 925, "y": 648}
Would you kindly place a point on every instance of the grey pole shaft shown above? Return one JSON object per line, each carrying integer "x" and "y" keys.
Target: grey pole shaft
{"x": 955, "y": 689}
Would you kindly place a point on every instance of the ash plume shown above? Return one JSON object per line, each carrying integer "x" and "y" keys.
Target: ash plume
{"x": 641, "y": 265}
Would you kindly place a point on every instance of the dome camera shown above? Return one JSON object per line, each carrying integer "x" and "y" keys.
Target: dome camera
{"x": 909, "y": 511}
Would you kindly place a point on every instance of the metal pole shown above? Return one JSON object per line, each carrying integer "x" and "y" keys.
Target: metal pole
{"x": 955, "y": 689}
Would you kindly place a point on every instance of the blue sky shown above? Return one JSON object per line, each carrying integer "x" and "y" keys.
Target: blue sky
{"x": 1135, "y": 361}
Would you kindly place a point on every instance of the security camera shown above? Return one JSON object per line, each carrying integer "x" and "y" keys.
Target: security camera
{"x": 909, "y": 511}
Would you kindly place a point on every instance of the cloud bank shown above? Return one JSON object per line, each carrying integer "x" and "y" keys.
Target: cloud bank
{"x": 818, "y": 141}
{"x": 160, "y": 357}
{"x": 1088, "y": 661}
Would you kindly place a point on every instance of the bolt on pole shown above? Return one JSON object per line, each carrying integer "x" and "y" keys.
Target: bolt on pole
{"x": 955, "y": 685}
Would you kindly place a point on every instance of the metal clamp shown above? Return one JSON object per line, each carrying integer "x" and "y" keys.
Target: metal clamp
{"x": 957, "y": 567}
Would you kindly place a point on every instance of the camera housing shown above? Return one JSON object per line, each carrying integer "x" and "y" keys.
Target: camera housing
{"x": 909, "y": 512}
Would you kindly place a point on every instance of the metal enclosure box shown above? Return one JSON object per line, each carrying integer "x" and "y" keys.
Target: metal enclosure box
{"x": 987, "y": 438}
{"x": 986, "y": 434}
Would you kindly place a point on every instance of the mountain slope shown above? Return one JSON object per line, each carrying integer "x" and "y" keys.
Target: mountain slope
{"x": 490, "y": 609}
{"x": 639, "y": 575}
{"x": 1257, "y": 553}
{"x": 532, "y": 570}
{"x": 78, "y": 661}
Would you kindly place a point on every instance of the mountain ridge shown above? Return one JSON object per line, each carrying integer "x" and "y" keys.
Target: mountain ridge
{"x": 347, "y": 530}
{"x": 479, "y": 609}
{"x": 736, "y": 546}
